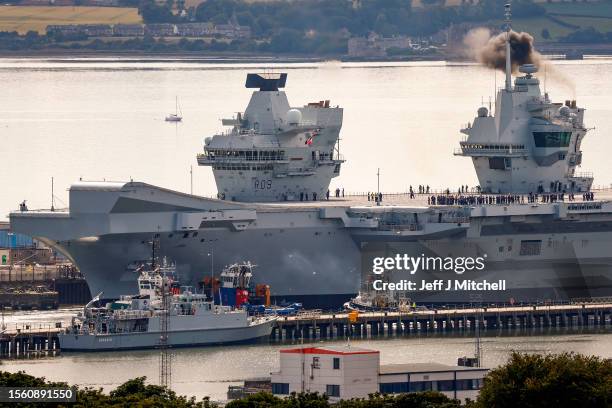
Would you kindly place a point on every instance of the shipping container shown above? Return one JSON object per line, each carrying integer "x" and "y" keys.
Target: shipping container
{"x": 14, "y": 240}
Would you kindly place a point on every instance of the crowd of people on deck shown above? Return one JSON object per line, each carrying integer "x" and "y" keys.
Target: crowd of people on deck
{"x": 461, "y": 198}
{"x": 376, "y": 197}
{"x": 465, "y": 196}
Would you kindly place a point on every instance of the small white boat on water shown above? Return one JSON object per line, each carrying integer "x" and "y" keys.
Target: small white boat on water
{"x": 177, "y": 116}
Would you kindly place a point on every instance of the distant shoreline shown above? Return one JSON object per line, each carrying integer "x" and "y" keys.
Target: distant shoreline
{"x": 232, "y": 58}
{"x": 212, "y": 58}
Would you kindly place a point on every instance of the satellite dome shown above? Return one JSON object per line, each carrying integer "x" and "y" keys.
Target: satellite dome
{"x": 564, "y": 111}
{"x": 528, "y": 69}
{"x": 294, "y": 116}
{"x": 207, "y": 140}
{"x": 483, "y": 112}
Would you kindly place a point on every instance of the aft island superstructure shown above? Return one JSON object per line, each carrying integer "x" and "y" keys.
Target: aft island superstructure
{"x": 530, "y": 145}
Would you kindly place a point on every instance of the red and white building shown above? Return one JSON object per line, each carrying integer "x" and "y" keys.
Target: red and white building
{"x": 344, "y": 372}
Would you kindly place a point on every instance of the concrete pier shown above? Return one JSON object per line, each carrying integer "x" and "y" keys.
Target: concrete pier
{"x": 27, "y": 341}
{"x": 314, "y": 325}
{"x": 388, "y": 324}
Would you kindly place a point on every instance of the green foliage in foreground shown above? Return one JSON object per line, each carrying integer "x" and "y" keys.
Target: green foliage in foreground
{"x": 133, "y": 393}
{"x": 563, "y": 380}
{"x": 414, "y": 400}
{"x": 525, "y": 381}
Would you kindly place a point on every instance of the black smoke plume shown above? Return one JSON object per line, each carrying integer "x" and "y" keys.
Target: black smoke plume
{"x": 493, "y": 53}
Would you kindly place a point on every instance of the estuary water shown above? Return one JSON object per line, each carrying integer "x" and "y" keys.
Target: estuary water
{"x": 208, "y": 371}
{"x": 103, "y": 119}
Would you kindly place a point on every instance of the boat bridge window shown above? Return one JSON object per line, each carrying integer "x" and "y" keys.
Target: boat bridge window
{"x": 243, "y": 167}
{"x": 248, "y": 155}
{"x": 552, "y": 139}
{"x": 500, "y": 163}
{"x": 478, "y": 146}
{"x": 531, "y": 247}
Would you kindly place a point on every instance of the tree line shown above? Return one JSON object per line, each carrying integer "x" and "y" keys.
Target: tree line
{"x": 358, "y": 17}
{"x": 311, "y": 27}
{"x": 525, "y": 381}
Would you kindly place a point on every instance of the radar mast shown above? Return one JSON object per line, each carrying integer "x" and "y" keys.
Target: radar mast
{"x": 508, "y": 14}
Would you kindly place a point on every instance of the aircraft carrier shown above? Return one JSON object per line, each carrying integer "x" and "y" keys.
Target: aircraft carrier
{"x": 533, "y": 217}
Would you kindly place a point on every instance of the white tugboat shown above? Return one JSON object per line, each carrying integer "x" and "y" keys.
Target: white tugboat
{"x": 133, "y": 322}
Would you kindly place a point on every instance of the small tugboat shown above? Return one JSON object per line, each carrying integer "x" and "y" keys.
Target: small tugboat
{"x": 377, "y": 302}
{"x": 134, "y": 322}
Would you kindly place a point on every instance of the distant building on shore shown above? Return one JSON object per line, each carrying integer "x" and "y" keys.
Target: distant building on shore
{"x": 231, "y": 31}
{"x": 376, "y": 46}
{"x": 91, "y": 30}
{"x": 195, "y": 29}
{"x": 128, "y": 30}
{"x": 161, "y": 29}
{"x": 96, "y": 3}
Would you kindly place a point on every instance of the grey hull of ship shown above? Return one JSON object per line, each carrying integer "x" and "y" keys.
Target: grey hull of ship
{"x": 314, "y": 254}
{"x": 303, "y": 264}
{"x": 571, "y": 266}
{"x": 298, "y": 266}
{"x": 147, "y": 340}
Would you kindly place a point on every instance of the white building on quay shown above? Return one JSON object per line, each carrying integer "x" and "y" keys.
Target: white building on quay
{"x": 345, "y": 372}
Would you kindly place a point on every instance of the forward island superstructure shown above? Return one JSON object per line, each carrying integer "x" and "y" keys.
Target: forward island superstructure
{"x": 273, "y": 152}
{"x": 535, "y": 236}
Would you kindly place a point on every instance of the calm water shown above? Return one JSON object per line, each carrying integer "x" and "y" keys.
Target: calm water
{"x": 103, "y": 119}
{"x": 209, "y": 371}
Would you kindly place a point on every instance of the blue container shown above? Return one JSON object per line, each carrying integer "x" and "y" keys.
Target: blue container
{"x": 228, "y": 296}
{"x": 14, "y": 240}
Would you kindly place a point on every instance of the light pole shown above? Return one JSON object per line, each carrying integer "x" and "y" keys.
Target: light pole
{"x": 378, "y": 186}
{"x": 9, "y": 235}
{"x": 212, "y": 272}
{"x": 191, "y": 179}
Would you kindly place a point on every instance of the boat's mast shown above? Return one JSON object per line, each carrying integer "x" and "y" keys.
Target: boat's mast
{"x": 153, "y": 255}
{"x": 508, "y": 49}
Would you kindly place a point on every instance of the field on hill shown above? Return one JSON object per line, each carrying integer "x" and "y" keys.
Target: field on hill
{"x": 34, "y": 18}
{"x": 596, "y": 8}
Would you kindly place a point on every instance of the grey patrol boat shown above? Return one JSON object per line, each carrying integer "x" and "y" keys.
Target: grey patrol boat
{"x": 138, "y": 322}
{"x": 318, "y": 253}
